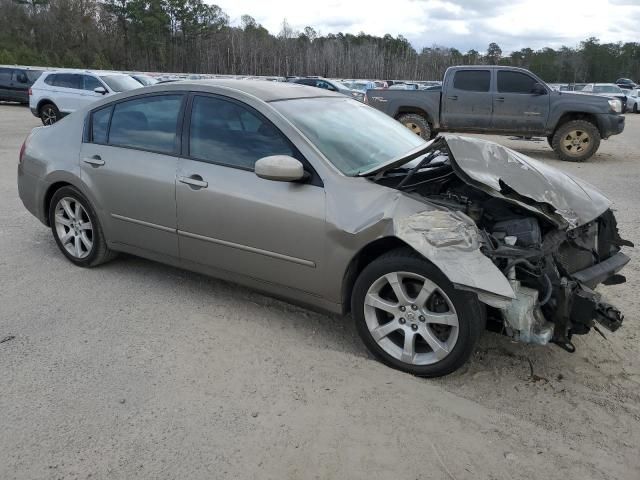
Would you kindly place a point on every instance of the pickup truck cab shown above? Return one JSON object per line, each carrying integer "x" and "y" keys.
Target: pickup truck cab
{"x": 505, "y": 101}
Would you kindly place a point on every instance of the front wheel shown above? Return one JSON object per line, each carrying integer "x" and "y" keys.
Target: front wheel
{"x": 576, "y": 141}
{"x": 76, "y": 228}
{"x": 410, "y": 316}
{"x": 417, "y": 124}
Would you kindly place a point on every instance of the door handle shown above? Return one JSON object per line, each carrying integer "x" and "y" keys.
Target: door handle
{"x": 194, "y": 181}
{"x": 500, "y": 99}
{"x": 95, "y": 161}
{"x": 453, "y": 97}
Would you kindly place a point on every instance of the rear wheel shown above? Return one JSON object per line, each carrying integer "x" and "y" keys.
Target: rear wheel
{"x": 576, "y": 141}
{"x": 76, "y": 228}
{"x": 635, "y": 107}
{"x": 417, "y": 124}
{"x": 49, "y": 114}
{"x": 410, "y": 316}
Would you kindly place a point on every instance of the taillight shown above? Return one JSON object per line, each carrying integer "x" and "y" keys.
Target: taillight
{"x": 365, "y": 100}
{"x": 30, "y": 91}
{"x": 22, "y": 149}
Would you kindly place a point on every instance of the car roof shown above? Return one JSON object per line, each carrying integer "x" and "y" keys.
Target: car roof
{"x": 264, "y": 90}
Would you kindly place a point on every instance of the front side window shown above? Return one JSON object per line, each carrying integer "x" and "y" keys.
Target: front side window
{"x": 148, "y": 123}
{"x": 353, "y": 136}
{"x": 515, "y": 82}
{"x": 227, "y": 133}
{"x": 91, "y": 83}
{"x": 100, "y": 124}
{"x": 472, "y": 80}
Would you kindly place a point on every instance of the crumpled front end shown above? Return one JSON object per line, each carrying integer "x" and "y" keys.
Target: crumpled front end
{"x": 539, "y": 240}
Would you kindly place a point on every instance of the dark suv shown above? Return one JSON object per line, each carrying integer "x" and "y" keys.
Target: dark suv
{"x": 15, "y": 83}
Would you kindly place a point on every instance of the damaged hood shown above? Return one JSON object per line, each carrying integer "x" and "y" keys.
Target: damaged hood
{"x": 502, "y": 172}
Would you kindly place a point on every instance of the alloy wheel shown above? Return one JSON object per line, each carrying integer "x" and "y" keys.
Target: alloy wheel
{"x": 73, "y": 227}
{"x": 411, "y": 318}
{"x": 576, "y": 142}
{"x": 48, "y": 115}
{"x": 414, "y": 128}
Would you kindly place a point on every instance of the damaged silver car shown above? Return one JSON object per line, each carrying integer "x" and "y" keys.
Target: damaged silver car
{"x": 321, "y": 200}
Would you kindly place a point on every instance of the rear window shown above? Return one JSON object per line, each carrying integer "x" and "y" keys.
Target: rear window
{"x": 472, "y": 80}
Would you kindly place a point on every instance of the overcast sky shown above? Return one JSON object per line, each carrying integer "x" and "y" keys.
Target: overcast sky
{"x": 463, "y": 24}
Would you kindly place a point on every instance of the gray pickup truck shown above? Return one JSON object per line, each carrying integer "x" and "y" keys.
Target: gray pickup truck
{"x": 505, "y": 101}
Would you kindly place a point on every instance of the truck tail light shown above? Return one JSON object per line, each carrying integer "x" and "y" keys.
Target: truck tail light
{"x": 365, "y": 100}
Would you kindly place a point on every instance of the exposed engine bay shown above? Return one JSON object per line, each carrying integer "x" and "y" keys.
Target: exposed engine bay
{"x": 552, "y": 258}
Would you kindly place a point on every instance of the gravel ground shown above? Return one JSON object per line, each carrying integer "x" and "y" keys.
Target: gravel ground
{"x": 139, "y": 370}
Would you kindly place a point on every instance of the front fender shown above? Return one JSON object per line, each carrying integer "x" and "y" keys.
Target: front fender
{"x": 450, "y": 240}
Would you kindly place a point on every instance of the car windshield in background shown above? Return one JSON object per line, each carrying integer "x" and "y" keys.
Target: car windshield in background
{"x": 120, "y": 83}
{"x": 145, "y": 80}
{"x": 353, "y": 136}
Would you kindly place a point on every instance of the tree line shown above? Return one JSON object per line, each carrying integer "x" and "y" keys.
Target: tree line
{"x": 192, "y": 36}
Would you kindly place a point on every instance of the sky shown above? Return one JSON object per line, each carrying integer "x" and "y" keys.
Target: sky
{"x": 462, "y": 24}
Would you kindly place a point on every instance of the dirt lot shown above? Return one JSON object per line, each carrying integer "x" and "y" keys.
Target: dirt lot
{"x": 138, "y": 370}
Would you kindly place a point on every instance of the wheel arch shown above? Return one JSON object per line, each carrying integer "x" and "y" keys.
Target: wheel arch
{"x": 361, "y": 259}
{"x": 570, "y": 116}
{"x": 414, "y": 110}
{"x": 48, "y": 195}
{"x": 44, "y": 101}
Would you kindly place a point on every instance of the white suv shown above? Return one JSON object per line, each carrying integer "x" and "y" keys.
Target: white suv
{"x": 60, "y": 92}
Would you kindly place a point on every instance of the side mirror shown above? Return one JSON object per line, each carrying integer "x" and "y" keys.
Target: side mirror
{"x": 538, "y": 89}
{"x": 100, "y": 90}
{"x": 280, "y": 168}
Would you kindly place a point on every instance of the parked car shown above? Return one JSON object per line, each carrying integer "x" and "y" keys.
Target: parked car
{"x": 143, "y": 79}
{"x": 316, "y": 198}
{"x": 58, "y": 93}
{"x": 15, "y": 83}
{"x": 626, "y": 83}
{"x": 331, "y": 85}
{"x": 505, "y": 101}
{"x": 362, "y": 85}
{"x": 609, "y": 90}
{"x": 633, "y": 99}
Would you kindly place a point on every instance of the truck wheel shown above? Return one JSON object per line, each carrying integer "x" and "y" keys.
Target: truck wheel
{"x": 417, "y": 124}
{"x": 576, "y": 141}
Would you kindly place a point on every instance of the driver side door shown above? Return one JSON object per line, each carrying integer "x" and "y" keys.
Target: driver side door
{"x": 231, "y": 220}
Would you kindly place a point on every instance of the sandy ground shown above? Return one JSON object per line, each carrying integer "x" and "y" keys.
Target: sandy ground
{"x": 138, "y": 370}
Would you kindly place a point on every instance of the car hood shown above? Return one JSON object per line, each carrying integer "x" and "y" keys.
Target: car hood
{"x": 505, "y": 173}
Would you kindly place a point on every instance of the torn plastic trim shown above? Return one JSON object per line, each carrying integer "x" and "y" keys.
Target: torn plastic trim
{"x": 451, "y": 241}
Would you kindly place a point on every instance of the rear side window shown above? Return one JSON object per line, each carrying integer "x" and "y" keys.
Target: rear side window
{"x": 100, "y": 124}
{"x": 5, "y": 75}
{"x": 50, "y": 79}
{"x": 68, "y": 80}
{"x": 148, "y": 123}
{"x": 227, "y": 133}
{"x": 515, "y": 82}
{"x": 472, "y": 80}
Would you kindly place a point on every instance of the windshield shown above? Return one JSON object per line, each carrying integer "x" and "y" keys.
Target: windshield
{"x": 120, "y": 83}
{"x": 353, "y": 136}
{"x": 145, "y": 80}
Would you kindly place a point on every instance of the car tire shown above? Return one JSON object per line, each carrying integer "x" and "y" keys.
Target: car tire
{"x": 576, "y": 140}
{"x": 76, "y": 228}
{"x": 635, "y": 108}
{"x": 438, "y": 348}
{"x": 49, "y": 114}
{"x": 417, "y": 124}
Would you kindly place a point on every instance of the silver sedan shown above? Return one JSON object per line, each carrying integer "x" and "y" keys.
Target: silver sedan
{"x": 319, "y": 199}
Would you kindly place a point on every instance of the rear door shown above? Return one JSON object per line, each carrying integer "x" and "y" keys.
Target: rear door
{"x": 6, "y": 91}
{"x": 232, "y": 220}
{"x": 516, "y": 108}
{"x": 129, "y": 166}
{"x": 467, "y": 101}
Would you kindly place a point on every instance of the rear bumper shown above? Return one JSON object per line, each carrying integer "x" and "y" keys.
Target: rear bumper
{"x": 29, "y": 188}
{"x": 610, "y": 124}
